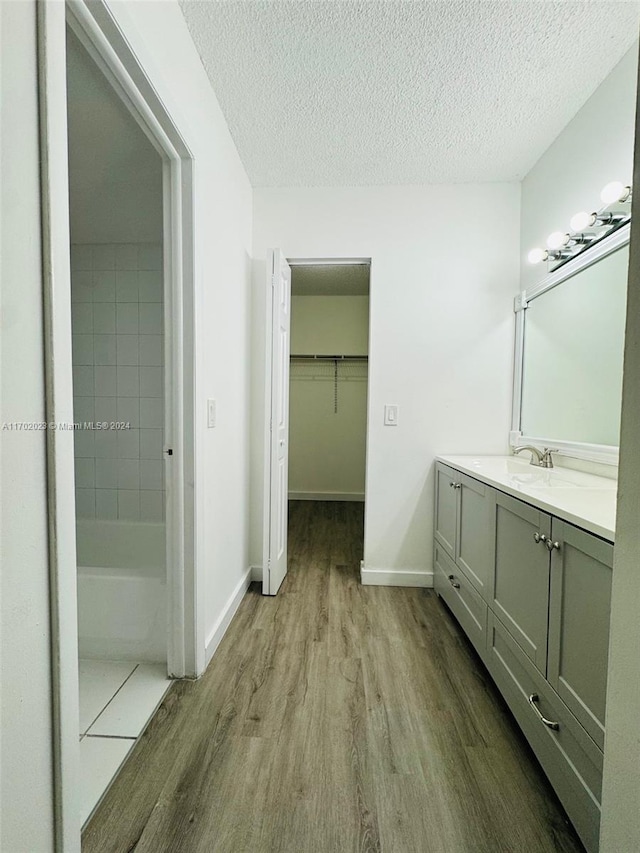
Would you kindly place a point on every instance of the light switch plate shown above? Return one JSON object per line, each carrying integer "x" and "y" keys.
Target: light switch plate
{"x": 211, "y": 413}
{"x": 391, "y": 414}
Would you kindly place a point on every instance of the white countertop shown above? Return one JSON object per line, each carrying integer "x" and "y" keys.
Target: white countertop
{"x": 585, "y": 500}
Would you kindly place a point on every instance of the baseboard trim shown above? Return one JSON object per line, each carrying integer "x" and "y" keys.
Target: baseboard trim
{"x": 400, "y": 577}
{"x": 219, "y": 629}
{"x": 256, "y": 574}
{"x": 327, "y": 496}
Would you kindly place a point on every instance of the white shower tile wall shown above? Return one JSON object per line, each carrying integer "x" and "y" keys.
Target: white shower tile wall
{"x": 118, "y": 353}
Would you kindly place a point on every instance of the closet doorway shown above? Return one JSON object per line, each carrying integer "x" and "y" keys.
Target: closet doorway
{"x": 328, "y": 384}
{"x": 316, "y": 381}
{"x": 328, "y": 381}
{"x": 318, "y": 349}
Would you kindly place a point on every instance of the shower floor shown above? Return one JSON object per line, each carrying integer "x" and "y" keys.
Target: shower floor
{"x": 117, "y": 700}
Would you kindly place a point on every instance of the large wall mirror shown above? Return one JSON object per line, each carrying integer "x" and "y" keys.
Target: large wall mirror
{"x": 570, "y": 354}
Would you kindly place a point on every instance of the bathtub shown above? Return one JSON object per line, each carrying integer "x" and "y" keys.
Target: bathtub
{"x": 122, "y": 591}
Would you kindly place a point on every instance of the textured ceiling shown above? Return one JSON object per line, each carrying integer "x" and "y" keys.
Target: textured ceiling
{"x": 330, "y": 280}
{"x": 354, "y": 93}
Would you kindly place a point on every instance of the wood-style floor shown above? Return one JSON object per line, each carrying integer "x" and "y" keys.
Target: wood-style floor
{"x": 333, "y": 718}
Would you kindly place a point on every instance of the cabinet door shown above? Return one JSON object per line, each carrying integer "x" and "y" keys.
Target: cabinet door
{"x": 520, "y": 592}
{"x": 461, "y": 598}
{"x": 473, "y": 540}
{"x": 446, "y": 508}
{"x": 569, "y": 757}
{"x": 579, "y": 607}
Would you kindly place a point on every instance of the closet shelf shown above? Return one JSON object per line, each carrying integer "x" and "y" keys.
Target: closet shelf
{"x": 335, "y": 360}
{"x": 306, "y": 357}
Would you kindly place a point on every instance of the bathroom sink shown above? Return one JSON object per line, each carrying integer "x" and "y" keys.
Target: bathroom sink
{"x": 541, "y": 478}
{"x": 520, "y": 474}
{"x": 586, "y": 500}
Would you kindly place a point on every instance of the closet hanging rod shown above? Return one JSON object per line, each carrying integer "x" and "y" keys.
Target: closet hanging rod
{"x": 306, "y": 357}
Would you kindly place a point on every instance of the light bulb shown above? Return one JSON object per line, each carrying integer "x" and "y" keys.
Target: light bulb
{"x": 535, "y": 256}
{"x": 583, "y": 220}
{"x": 615, "y": 191}
{"x": 558, "y": 239}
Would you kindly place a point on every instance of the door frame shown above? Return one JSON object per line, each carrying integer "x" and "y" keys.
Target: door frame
{"x": 302, "y": 262}
{"x": 93, "y": 23}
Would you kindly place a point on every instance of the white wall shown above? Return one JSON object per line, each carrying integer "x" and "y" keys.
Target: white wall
{"x": 329, "y": 325}
{"x": 26, "y": 795}
{"x": 441, "y": 334}
{"x": 620, "y": 830}
{"x": 223, "y": 216}
{"x": 327, "y": 448}
{"x": 594, "y": 148}
{"x": 223, "y": 220}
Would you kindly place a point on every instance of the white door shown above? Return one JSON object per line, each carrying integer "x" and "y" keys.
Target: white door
{"x": 276, "y": 485}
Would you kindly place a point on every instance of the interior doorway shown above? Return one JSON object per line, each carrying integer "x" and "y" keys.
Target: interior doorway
{"x": 119, "y": 404}
{"x": 154, "y": 556}
{"x": 317, "y": 393}
{"x": 328, "y": 381}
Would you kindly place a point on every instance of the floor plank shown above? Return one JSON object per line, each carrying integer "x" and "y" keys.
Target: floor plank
{"x": 333, "y": 718}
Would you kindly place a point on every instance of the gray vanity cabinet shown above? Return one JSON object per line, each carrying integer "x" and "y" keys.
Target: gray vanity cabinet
{"x": 579, "y": 605}
{"x": 462, "y": 599}
{"x": 462, "y": 525}
{"x": 520, "y": 591}
{"x": 533, "y": 594}
{"x": 473, "y": 540}
{"x": 570, "y": 758}
{"x": 446, "y": 509}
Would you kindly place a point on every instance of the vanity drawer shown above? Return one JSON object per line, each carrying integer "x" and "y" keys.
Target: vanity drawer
{"x": 461, "y": 597}
{"x": 569, "y": 757}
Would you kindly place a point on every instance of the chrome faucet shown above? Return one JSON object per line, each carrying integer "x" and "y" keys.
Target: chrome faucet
{"x": 539, "y": 458}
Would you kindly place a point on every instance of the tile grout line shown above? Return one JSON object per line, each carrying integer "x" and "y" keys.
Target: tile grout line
{"x": 131, "y": 741}
{"x": 112, "y": 737}
{"x": 109, "y": 702}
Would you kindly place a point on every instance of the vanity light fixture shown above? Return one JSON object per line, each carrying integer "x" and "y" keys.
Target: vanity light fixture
{"x": 582, "y": 239}
{"x": 558, "y": 240}
{"x": 583, "y": 220}
{"x": 564, "y": 245}
{"x": 615, "y": 192}
{"x": 536, "y": 256}
{"x": 561, "y": 240}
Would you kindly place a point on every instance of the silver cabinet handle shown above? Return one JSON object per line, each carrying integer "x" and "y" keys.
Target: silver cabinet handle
{"x": 539, "y": 537}
{"x": 457, "y": 485}
{"x": 454, "y": 582}
{"x": 550, "y": 724}
{"x": 552, "y": 545}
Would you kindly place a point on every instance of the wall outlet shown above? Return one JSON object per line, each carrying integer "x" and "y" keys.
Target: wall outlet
{"x": 391, "y": 414}
{"x": 211, "y": 413}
